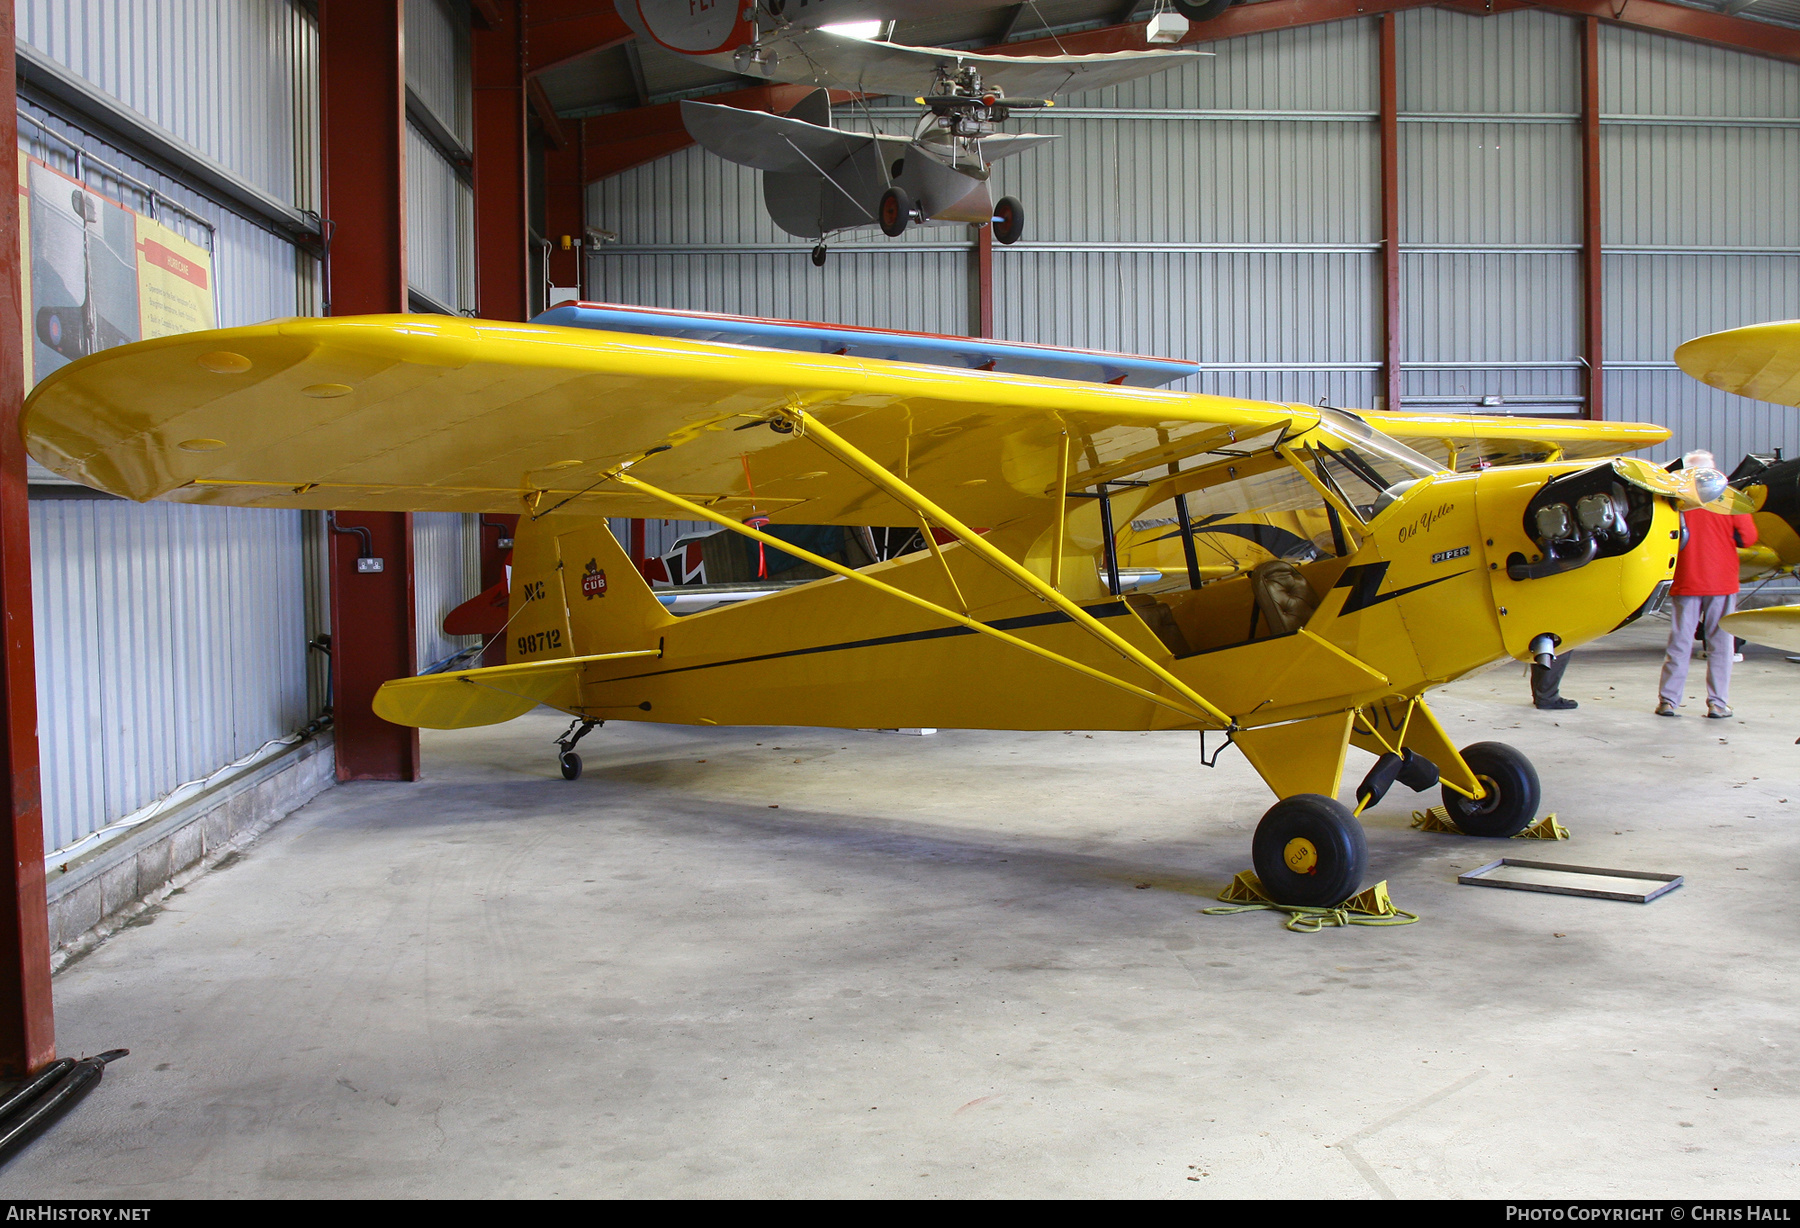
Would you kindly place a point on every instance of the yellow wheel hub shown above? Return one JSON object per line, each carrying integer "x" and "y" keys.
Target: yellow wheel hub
{"x": 1300, "y": 855}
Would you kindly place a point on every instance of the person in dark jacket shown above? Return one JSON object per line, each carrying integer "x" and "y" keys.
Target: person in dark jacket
{"x": 1705, "y": 590}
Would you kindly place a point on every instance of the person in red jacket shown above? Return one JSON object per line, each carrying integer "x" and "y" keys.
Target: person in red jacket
{"x": 1705, "y": 590}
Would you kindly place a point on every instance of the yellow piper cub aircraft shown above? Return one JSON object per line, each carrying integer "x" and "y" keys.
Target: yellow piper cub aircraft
{"x": 1420, "y": 574}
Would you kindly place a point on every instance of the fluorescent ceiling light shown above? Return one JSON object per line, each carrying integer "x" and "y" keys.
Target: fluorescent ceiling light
{"x": 855, "y": 29}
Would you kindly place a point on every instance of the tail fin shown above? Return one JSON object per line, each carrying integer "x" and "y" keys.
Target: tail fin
{"x": 574, "y": 593}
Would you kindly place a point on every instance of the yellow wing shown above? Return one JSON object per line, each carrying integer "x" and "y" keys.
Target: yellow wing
{"x": 417, "y": 413}
{"x": 1468, "y": 441}
{"x": 470, "y": 697}
{"x": 1760, "y": 361}
{"x": 1777, "y": 626}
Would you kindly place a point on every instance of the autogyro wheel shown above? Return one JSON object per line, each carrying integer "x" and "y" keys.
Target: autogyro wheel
{"x": 571, "y": 765}
{"x": 1009, "y": 220}
{"x": 818, "y": 256}
{"x": 1513, "y": 793}
{"x": 1309, "y": 850}
{"x": 895, "y": 212}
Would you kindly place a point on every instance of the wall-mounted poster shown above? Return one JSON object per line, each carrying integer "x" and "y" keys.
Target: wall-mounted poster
{"x": 97, "y": 274}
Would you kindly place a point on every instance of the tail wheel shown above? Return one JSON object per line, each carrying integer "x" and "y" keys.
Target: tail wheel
{"x": 1512, "y": 797}
{"x": 895, "y": 213}
{"x": 1009, "y": 220}
{"x": 818, "y": 256}
{"x": 1310, "y": 850}
{"x": 571, "y": 765}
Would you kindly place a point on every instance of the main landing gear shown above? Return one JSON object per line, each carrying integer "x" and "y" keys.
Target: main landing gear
{"x": 578, "y": 729}
{"x": 1310, "y": 849}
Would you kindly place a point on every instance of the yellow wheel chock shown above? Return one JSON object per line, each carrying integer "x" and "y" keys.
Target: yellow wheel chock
{"x": 1438, "y": 819}
{"x": 1371, "y": 907}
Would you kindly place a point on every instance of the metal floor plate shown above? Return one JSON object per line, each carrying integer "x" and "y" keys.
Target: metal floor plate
{"x": 1555, "y": 878}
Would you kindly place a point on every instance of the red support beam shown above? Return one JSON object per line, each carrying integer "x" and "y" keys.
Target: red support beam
{"x": 626, "y": 140}
{"x": 1390, "y": 213}
{"x": 559, "y": 32}
{"x": 362, "y": 122}
{"x": 565, "y": 212}
{"x": 1593, "y": 269}
{"x": 1680, "y": 21}
{"x": 984, "y": 282}
{"x": 502, "y": 224}
{"x": 27, "y": 1021}
{"x": 1696, "y": 25}
{"x": 1234, "y": 22}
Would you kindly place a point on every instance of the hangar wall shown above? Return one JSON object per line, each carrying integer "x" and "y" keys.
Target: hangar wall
{"x": 173, "y": 640}
{"x": 1229, "y": 211}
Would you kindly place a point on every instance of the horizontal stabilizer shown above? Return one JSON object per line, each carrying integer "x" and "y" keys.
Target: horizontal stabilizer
{"x": 471, "y": 697}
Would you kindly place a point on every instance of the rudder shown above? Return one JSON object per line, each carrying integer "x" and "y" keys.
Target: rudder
{"x": 580, "y": 593}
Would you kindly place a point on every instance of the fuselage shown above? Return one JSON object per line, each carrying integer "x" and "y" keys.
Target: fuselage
{"x": 1420, "y": 596}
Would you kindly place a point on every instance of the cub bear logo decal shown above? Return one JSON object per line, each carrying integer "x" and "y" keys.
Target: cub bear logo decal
{"x": 593, "y": 581}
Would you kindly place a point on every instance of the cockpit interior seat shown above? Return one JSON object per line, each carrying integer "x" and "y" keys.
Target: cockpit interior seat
{"x": 1161, "y": 621}
{"x": 1284, "y": 597}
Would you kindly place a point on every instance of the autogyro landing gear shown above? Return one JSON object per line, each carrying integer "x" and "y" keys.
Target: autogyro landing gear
{"x": 1309, "y": 850}
{"x": 1009, "y": 220}
{"x": 570, "y": 762}
{"x": 818, "y": 256}
{"x": 1513, "y": 793}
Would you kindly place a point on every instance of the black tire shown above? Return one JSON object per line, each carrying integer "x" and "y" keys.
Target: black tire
{"x": 1009, "y": 220}
{"x": 571, "y": 765}
{"x": 1329, "y": 852}
{"x": 818, "y": 256}
{"x": 1513, "y": 792}
{"x": 894, "y": 213}
{"x": 1206, "y": 10}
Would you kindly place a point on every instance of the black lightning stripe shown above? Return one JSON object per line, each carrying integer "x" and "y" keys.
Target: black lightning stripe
{"x": 1111, "y": 609}
{"x": 1364, "y": 582}
{"x": 1276, "y": 541}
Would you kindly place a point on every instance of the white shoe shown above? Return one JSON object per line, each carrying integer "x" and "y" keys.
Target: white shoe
{"x": 1737, "y": 656}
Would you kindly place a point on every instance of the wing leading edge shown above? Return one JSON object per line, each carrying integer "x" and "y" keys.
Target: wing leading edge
{"x": 414, "y": 413}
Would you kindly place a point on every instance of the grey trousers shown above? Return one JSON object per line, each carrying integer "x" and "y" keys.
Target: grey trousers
{"x": 1686, "y": 613}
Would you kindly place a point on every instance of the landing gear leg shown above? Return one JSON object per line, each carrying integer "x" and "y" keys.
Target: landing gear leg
{"x": 1511, "y": 793}
{"x": 578, "y": 729}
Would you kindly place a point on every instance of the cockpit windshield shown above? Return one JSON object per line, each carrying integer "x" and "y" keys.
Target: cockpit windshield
{"x": 1369, "y": 469}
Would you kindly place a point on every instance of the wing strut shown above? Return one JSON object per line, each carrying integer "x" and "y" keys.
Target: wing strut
{"x": 837, "y": 446}
{"x": 1207, "y": 715}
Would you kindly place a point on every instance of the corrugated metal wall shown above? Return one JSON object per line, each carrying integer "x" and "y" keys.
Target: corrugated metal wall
{"x": 446, "y": 573}
{"x": 1229, "y": 211}
{"x": 236, "y": 81}
{"x": 1701, "y": 166}
{"x": 440, "y": 226}
{"x": 440, "y": 205}
{"x": 1490, "y": 178}
{"x": 172, "y": 640}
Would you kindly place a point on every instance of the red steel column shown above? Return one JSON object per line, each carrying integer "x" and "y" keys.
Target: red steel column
{"x": 984, "y": 281}
{"x": 502, "y": 227}
{"x": 27, "y": 1022}
{"x": 362, "y": 109}
{"x": 565, "y": 209}
{"x": 1593, "y": 269}
{"x": 1390, "y": 213}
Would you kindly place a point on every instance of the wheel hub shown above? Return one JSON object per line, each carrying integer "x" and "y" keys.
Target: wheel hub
{"x": 1301, "y": 856}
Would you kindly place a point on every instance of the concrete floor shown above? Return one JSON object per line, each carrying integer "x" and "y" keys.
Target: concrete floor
{"x": 968, "y": 964}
